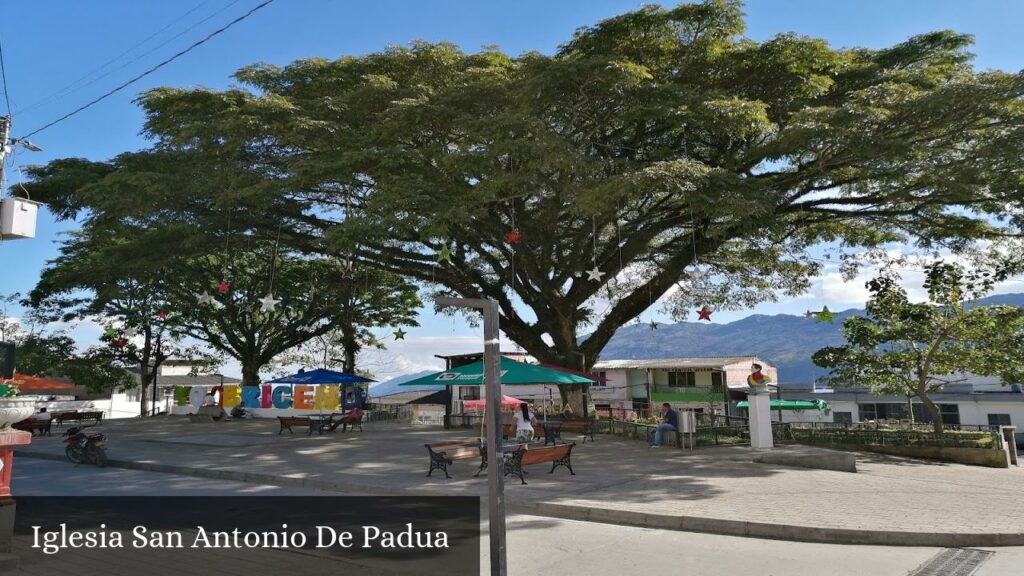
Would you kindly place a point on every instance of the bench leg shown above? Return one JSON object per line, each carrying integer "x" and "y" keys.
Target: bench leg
{"x": 483, "y": 466}
{"x": 565, "y": 461}
{"x": 438, "y": 463}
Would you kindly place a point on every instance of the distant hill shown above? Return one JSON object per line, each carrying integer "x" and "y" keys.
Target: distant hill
{"x": 785, "y": 340}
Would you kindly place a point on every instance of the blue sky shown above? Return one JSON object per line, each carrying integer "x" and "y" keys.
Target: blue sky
{"x": 49, "y": 45}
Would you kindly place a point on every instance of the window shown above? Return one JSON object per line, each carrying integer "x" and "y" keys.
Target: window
{"x": 999, "y": 420}
{"x": 677, "y": 379}
{"x": 602, "y": 379}
{"x": 950, "y": 413}
{"x": 717, "y": 380}
{"x": 867, "y": 412}
{"x": 469, "y": 392}
{"x": 842, "y": 417}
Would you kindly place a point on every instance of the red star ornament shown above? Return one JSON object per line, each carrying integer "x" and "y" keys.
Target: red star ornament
{"x": 120, "y": 343}
{"x": 224, "y": 286}
{"x": 513, "y": 237}
{"x": 162, "y": 315}
{"x": 704, "y": 314}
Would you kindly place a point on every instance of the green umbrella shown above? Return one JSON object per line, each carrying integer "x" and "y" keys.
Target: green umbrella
{"x": 792, "y": 404}
{"x": 512, "y": 373}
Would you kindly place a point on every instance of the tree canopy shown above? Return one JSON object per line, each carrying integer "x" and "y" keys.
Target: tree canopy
{"x": 659, "y": 153}
{"x": 916, "y": 348}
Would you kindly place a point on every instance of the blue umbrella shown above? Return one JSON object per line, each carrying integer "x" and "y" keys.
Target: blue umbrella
{"x": 321, "y": 376}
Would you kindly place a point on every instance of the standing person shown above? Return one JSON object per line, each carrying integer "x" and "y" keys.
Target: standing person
{"x": 669, "y": 421}
{"x": 524, "y": 423}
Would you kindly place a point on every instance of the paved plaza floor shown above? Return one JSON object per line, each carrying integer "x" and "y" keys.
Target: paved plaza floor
{"x": 618, "y": 481}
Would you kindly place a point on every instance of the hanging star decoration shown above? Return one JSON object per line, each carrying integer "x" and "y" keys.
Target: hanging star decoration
{"x": 161, "y": 315}
{"x": 268, "y": 303}
{"x": 444, "y": 255}
{"x": 205, "y": 299}
{"x": 825, "y": 315}
{"x": 653, "y": 325}
{"x": 224, "y": 287}
{"x": 595, "y": 274}
{"x": 347, "y": 269}
{"x": 704, "y": 313}
{"x": 120, "y": 342}
{"x": 513, "y": 236}
{"x": 400, "y": 334}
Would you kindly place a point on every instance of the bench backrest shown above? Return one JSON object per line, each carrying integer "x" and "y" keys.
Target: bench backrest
{"x": 293, "y": 420}
{"x": 453, "y": 442}
{"x": 547, "y": 454}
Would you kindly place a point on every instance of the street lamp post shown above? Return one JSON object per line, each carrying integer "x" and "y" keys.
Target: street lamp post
{"x": 495, "y": 460}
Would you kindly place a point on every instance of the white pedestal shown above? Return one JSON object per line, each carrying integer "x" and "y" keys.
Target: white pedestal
{"x": 760, "y": 421}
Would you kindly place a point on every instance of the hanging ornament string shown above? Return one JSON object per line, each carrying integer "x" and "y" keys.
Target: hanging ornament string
{"x": 594, "y": 273}
{"x": 225, "y": 285}
{"x": 705, "y": 312}
{"x": 268, "y": 303}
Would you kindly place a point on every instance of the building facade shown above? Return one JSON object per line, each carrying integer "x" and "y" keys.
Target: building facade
{"x": 710, "y": 385}
{"x": 975, "y": 401}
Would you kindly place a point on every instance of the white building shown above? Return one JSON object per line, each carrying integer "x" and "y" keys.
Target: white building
{"x": 976, "y": 401}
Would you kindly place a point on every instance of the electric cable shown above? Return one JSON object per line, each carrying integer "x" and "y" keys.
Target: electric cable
{"x": 124, "y": 85}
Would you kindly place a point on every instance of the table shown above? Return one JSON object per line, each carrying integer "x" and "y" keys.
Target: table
{"x": 552, "y": 430}
{"x": 506, "y": 449}
{"x": 321, "y": 421}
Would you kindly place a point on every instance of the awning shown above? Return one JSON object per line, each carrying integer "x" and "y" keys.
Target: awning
{"x": 321, "y": 376}
{"x": 28, "y": 384}
{"x": 792, "y": 405}
{"x": 592, "y": 377}
{"x": 512, "y": 373}
{"x": 481, "y": 404}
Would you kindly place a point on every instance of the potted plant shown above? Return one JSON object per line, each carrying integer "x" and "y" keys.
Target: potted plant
{"x": 12, "y": 408}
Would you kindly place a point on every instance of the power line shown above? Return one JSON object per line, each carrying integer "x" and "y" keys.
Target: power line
{"x": 77, "y": 85}
{"x": 3, "y": 74}
{"x": 150, "y": 71}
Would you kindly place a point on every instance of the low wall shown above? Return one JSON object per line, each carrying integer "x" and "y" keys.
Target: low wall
{"x": 990, "y": 457}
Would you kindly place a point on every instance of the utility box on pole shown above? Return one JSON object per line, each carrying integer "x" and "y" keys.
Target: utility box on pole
{"x": 18, "y": 218}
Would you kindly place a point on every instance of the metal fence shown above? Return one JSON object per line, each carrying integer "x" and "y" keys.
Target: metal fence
{"x": 389, "y": 413}
{"x": 863, "y": 437}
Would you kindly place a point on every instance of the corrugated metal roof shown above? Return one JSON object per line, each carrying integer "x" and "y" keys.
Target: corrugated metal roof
{"x": 937, "y": 397}
{"x": 693, "y": 362}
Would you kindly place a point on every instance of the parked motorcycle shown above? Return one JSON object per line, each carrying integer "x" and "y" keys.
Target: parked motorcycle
{"x": 85, "y": 448}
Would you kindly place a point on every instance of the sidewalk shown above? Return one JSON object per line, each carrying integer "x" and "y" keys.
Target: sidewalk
{"x": 890, "y": 501}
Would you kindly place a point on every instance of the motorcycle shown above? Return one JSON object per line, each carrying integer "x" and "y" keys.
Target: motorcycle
{"x": 84, "y": 448}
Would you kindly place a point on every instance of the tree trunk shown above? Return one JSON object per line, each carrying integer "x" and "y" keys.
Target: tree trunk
{"x": 250, "y": 373}
{"x": 350, "y": 345}
{"x": 933, "y": 410}
{"x": 145, "y": 377}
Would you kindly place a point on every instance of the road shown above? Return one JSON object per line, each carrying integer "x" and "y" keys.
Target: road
{"x": 539, "y": 545}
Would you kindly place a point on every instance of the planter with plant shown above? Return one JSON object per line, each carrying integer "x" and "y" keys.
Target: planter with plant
{"x": 12, "y": 408}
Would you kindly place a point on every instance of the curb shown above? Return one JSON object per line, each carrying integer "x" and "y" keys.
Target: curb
{"x": 610, "y": 516}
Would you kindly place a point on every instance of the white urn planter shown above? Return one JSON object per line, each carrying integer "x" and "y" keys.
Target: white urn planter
{"x": 13, "y": 410}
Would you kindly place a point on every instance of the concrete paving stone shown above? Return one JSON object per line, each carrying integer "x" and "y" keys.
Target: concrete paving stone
{"x": 616, "y": 481}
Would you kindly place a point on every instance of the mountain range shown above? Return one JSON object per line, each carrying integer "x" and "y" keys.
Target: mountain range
{"x": 784, "y": 340}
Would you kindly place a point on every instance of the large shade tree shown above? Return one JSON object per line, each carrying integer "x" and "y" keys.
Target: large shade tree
{"x": 171, "y": 219}
{"x": 660, "y": 149}
{"x": 914, "y": 349}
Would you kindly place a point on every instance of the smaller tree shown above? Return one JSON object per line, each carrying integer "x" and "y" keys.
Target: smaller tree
{"x": 907, "y": 348}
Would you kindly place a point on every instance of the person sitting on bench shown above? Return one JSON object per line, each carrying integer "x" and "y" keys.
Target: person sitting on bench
{"x": 524, "y": 423}
{"x": 670, "y": 421}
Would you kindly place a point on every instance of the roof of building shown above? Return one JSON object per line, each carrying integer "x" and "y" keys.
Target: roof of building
{"x": 198, "y": 380}
{"x": 477, "y": 355}
{"x": 692, "y": 362}
{"x": 938, "y": 397}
